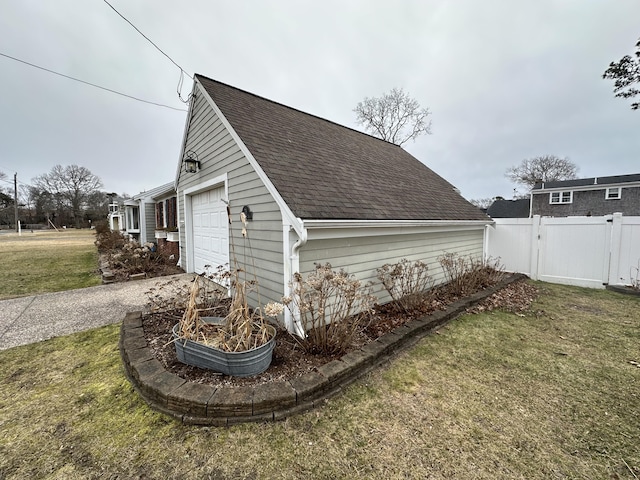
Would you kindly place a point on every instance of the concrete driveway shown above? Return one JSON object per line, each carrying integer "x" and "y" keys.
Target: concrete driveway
{"x": 32, "y": 319}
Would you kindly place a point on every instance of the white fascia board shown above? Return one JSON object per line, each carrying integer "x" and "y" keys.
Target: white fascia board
{"x": 325, "y": 229}
{"x": 288, "y": 218}
{"x": 168, "y": 191}
{"x": 154, "y": 192}
{"x": 184, "y": 136}
{"x": 598, "y": 186}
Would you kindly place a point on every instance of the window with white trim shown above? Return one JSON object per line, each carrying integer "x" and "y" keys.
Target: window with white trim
{"x": 613, "y": 193}
{"x": 561, "y": 197}
{"x": 132, "y": 215}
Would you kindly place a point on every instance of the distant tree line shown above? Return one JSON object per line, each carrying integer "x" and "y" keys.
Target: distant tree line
{"x": 66, "y": 196}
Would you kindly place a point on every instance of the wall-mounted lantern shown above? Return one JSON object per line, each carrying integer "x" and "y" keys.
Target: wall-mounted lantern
{"x": 191, "y": 162}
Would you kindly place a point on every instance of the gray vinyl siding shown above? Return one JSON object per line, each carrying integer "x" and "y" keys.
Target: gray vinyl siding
{"x": 219, "y": 154}
{"x": 362, "y": 256}
{"x": 150, "y": 220}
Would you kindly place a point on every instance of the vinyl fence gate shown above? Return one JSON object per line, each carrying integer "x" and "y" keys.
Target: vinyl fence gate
{"x": 583, "y": 251}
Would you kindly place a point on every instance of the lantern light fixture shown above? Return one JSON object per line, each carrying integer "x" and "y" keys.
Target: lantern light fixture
{"x": 191, "y": 162}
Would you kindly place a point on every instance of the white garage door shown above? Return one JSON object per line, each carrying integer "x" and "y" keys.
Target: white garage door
{"x": 210, "y": 229}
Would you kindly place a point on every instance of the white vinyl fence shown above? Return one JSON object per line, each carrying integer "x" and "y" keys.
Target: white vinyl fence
{"x": 583, "y": 251}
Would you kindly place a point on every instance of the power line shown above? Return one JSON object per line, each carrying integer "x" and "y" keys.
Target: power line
{"x": 19, "y": 181}
{"x": 92, "y": 84}
{"x": 182, "y": 71}
{"x": 148, "y": 39}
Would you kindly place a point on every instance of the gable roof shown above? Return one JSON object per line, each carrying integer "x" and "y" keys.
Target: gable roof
{"x": 509, "y": 208}
{"x": 589, "y": 182}
{"x": 325, "y": 171}
{"x": 155, "y": 192}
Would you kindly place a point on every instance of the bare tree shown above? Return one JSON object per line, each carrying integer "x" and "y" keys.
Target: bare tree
{"x": 545, "y": 168}
{"x": 394, "y": 117}
{"x": 482, "y": 203}
{"x": 70, "y": 186}
{"x": 625, "y": 72}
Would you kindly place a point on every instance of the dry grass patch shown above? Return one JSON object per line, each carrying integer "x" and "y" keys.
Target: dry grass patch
{"x": 47, "y": 262}
{"x": 550, "y": 394}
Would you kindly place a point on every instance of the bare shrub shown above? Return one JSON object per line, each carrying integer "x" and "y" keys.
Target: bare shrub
{"x": 134, "y": 258}
{"x": 465, "y": 275}
{"x": 107, "y": 241}
{"x": 454, "y": 267}
{"x": 332, "y": 306}
{"x": 171, "y": 297}
{"x": 406, "y": 282}
{"x": 101, "y": 227}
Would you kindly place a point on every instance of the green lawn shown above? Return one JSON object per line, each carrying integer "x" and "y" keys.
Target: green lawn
{"x": 551, "y": 394}
{"x": 47, "y": 262}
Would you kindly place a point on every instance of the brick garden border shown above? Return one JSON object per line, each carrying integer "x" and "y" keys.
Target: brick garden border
{"x": 196, "y": 404}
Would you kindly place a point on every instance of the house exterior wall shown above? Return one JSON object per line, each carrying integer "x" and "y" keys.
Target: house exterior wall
{"x": 361, "y": 256}
{"x": 148, "y": 225}
{"x": 588, "y": 202}
{"x": 221, "y": 157}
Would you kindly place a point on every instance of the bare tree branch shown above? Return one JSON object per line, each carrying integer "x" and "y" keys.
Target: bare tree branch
{"x": 545, "y": 168}
{"x": 394, "y": 117}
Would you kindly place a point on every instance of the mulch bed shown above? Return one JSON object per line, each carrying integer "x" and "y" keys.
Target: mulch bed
{"x": 290, "y": 360}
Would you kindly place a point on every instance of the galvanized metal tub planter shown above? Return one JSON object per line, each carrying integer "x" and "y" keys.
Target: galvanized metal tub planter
{"x": 238, "y": 364}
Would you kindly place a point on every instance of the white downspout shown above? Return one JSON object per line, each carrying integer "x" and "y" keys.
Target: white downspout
{"x": 293, "y": 265}
{"x": 531, "y": 204}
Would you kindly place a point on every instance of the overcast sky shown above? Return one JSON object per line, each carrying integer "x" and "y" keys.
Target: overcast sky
{"x": 505, "y": 80}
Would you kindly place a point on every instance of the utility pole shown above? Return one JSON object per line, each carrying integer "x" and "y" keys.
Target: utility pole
{"x": 15, "y": 197}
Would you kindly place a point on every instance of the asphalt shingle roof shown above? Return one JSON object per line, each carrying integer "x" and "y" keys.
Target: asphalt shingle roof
{"x": 509, "y": 208}
{"x": 585, "y": 182}
{"x": 326, "y": 171}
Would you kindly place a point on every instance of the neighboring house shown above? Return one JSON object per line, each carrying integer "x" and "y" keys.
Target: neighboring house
{"x": 151, "y": 211}
{"x": 502, "y": 208}
{"x": 115, "y": 218}
{"x": 318, "y": 192}
{"x": 587, "y": 197}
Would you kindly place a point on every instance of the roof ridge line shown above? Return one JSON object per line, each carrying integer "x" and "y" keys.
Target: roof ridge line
{"x": 296, "y": 109}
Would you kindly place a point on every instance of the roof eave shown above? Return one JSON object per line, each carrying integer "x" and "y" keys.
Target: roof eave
{"x": 599, "y": 186}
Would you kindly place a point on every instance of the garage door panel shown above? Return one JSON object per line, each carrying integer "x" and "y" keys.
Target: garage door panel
{"x": 210, "y": 229}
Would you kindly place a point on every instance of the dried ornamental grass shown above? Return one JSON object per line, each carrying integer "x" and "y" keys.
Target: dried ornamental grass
{"x": 244, "y": 328}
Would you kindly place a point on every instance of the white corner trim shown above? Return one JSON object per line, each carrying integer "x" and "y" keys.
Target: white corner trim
{"x": 288, "y": 218}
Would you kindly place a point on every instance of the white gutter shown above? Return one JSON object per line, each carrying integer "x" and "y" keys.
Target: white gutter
{"x": 318, "y": 224}
{"x": 326, "y": 229}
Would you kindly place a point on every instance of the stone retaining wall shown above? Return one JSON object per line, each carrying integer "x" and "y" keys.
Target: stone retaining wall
{"x": 194, "y": 403}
